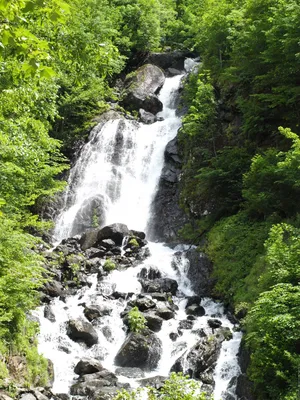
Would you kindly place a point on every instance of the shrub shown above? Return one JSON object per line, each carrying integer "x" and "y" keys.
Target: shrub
{"x": 137, "y": 321}
{"x": 109, "y": 265}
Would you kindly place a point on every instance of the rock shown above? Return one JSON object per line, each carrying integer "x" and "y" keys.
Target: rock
{"x": 139, "y": 350}
{"x": 50, "y": 370}
{"x": 156, "y": 381}
{"x": 159, "y": 296}
{"x": 116, "y": 232}
{"x": 214, "y": 323}
{"x": 107, "y": 333}
{"x": 199, "y": 273}
{"x": 195, "y": 310}
{"x": 167, "y": 217}
{"x": 165, "y": 313}
{"x": 27, "y": 396}
{"x": 193, "y": 300}
{"x": 141, "y": 88}
{"x": 89, "y": 239}
{"x": 185, "y": 324}
{"x": 143, "y": 304}
{"x": 82, "y": 331}
{"x": 40, "y": 396}
{"x": 53, "y": 289}
{"x": 48, "y": 313}
{"x": 146, "y": 117}
{"x": 108, "y": 244}
{"x": 91, "y": 212}
{"x": 130, "y": 372}
{"x": 164, "y": 285}
{"x": 150, "y": 272}
{"x": 201, "y": 359}
{"x": 4, "y": 396}
{"x": 96, "y": 311}
{"x": 244, "y": 388}
{"x": 174, "y": 59}
{"x": 173, "y": 72}
{"x": 138, "y": 234}
{"x": 154, "y": 322}
{"x": 87, "y": 366}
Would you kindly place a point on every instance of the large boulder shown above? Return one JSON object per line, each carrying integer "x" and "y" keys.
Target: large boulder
{"x": 115, "y": 232}
{"x": 174, "y": 59}
{"x": 87, "y": 366}
{"x": 200, "y": 361}
{"x": 163, "y": 285}
{"x": 90, "y": 214}
{"x": 140, "y": 350}
{"x": 167, "y": 217}
{"x": 199, "y": 273}
{"x": 80, "y": 330}
{"x": 141, "y": 87}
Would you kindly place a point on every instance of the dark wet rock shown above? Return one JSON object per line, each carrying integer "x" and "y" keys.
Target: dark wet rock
{"x": 244, "y": 388}
{"x": 82, "y": 331}
{"x": 87, "y": 366}
{"x": 139, "y": 350}
{"x": 164, "y": 285}
{"x": 141, "y": 88}
{"x": 41, "y": 396}
{"x": 214, "y": 323}
{"x": 159, "y": 296}
{"x": 53, "y": 289}
{"x": 174, "y": 59}
{"x": 89, "y": 239}
{"x": 95, "y": 311}
{"x": 199, "y": 273}
{"x": 154, "y": 322}
{"x": 138, "y": 234}
{"x": 185, "y": 324}
{"x": 243, "y": 357}
{"x": 200, "y": 332}
{"x": 146, "y": 117}
{"x": 150, "y": 272}
{"x": 130, "y": 372}
{"x": 50, "y": 370}
{"x": 201, "y": 359}
{"x": 165, "y": 313}
{"x": 91, "y": 211}
{"x": 93, "y": 265}
{"x": 195, "y": 310}
{"x": 174, "y": 336}
{"x": 156, "y": 381}
{"x": 143, "y": 304}
{"x": 95, "y": 253}
{"x": 191, "y": 318}
{"x": 119, "y": 295}
{"x": 167, "y": 217}
{"x": 115, "y": 232}
{"x": 226, "y": 332}
{"x": 48, "y": 313}
{"x": 193, "y": 300}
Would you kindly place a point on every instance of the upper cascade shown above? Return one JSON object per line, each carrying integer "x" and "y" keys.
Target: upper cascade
{"x": 116, "y": 175}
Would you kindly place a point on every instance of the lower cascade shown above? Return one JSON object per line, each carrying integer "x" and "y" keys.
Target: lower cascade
{"x": 122, "y": 312}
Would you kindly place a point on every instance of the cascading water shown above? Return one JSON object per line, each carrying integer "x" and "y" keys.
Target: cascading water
{"x": 120, "y": 167}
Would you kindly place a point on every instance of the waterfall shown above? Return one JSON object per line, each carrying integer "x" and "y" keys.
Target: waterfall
{"x": 116, "y": 177}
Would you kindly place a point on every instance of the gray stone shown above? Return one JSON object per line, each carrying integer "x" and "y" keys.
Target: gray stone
{"x": 139, "y": 350}
{"x": 82, "y": 331}
{"x": 195, "y": 310}
{"x": 130, "y": 372}
{"x": 141, "y": 88}
{"x": 165, "y": 313}
{"x": 154, "y": 322}
{"x": 48, "y": 313}
{"x": 88, "y": 366}
{"x": 146, "y": 117}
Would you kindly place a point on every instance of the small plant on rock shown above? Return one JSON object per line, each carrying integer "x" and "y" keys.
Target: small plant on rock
{"x": 133, "y": 242}
{"x": 137, "y": 322}
{"x": 109, "y": 265}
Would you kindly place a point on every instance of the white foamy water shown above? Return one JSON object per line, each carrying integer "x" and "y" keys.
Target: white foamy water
{"x": 121, "y": 164}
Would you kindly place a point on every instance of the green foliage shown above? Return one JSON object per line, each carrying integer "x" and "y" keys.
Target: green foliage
{"x": 273, "y": 337}
{"x": 133, "y": 242}
{"x": 137, "y": 322}
{"x": 272, "y": 184}
{"x": 177, "y": 387}
{"x": 235, "y": 245}
{"x": 109, "y": 265}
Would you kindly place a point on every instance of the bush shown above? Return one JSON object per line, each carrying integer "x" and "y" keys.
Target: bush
{"x": 137, "y": 321}
{"x": 109, "y": 265}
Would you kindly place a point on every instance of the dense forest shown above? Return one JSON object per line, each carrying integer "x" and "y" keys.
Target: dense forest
{"x": 239, "y": 141}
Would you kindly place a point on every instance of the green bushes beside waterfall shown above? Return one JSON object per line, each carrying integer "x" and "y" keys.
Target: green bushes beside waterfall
{"x": 240, "y": 182}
